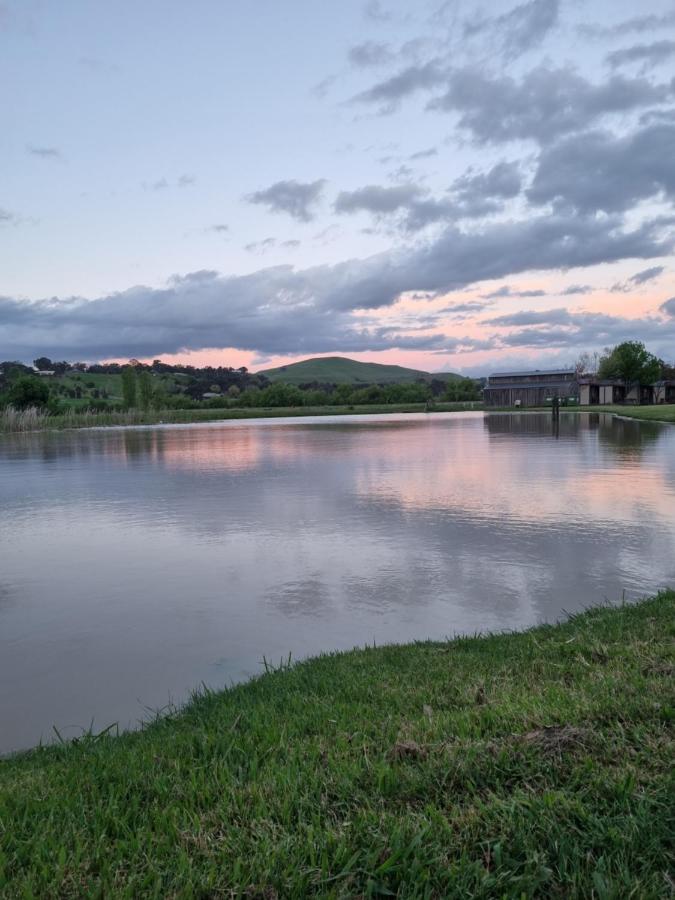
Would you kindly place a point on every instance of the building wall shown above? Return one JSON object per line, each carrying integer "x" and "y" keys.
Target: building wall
{"x": 522, "y": 396}
{"x": 664, "y": 392}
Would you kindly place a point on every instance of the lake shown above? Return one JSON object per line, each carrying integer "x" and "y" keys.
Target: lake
{"x": 137, "y": 564}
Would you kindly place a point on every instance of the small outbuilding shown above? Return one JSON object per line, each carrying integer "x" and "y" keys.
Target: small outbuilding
{"x": 664, "y": 391}
{"x": 608, "y": 391}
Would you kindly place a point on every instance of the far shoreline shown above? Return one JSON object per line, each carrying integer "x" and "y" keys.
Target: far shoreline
{"x": 33, "y": 421}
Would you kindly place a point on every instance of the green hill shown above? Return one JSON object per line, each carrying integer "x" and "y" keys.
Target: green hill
{"x": 340, "y": 370}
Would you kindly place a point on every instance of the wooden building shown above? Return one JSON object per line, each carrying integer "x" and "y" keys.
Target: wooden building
{"x": 534, "y": 388}
{"x": 606, "y": 391}
{"x": 664, "y": 391}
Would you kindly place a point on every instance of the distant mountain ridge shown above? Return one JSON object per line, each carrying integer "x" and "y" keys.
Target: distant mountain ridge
{"x": 342, "y": 370}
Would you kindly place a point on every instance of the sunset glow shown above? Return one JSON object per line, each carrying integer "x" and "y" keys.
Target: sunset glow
{"x": 429, "y": 185}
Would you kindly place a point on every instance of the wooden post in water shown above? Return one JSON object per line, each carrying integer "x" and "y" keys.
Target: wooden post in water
{"x": 555, "y": 408}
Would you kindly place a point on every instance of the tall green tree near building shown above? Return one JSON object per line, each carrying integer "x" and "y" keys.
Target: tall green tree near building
{"x": 129, "y": 386}
{"x": 630, "y": 362}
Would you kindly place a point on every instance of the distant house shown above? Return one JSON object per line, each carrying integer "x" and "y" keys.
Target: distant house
{"x": 43, "y": 371}
{"x": 664, "y": 391}
{"x": 606, "y": 391}
{"x": 532, "y": 388}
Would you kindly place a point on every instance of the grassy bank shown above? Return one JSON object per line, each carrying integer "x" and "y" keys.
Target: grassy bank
{"x": 35, "y": 420}
{"x": 532, "y": 764}
{"x": 662, "y": 412}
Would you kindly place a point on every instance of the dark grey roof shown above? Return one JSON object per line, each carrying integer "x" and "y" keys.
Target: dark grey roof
{"x": 528, "y": 385}
{"x": 533, "y": 372}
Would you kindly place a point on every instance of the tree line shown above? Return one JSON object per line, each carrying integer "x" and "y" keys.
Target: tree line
{"x": 187, "y": 387}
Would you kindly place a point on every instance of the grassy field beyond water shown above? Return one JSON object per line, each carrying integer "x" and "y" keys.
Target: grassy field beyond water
{"x": 534, "y": 764}
{"x": 36, "y": 420}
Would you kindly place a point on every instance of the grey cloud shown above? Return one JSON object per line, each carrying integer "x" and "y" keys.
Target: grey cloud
{"x": 377, "y": 200}
{"x": 657, "y": 115}
{"x": 409, "y": 202}
{"x": 636, "y": 280}
{"x": 220, "y": 229}
{"x": 428, "y": 211}
{"x": 297, "y": 199}
{"x": 598, "y": 171}
{"x": 543, "y": 105}
{"x": 532, "y": 317}
{"x": 561, "y": 328}
{"x": 636, "y": 25}
{"x": 507, "y": 291}
{"x": 160, "y": 185}
{"x": 402, "y": 173}
{"x": 647, "y": 275}
{"x": 284, "y": 310}
{"x": 370, "y": 53}
{"x": 321, "y": 89}
{"x": 668, "y": 308}
{"x": 473, "y": 195}
{"x": 388, "y": 93}
{"x": 261, "y": 246}
{"x": 520, "y": 29}
{"x": 6, "y": 216}
{"x": 292, "y": 244}
{"x": 376, "y": 12}
{"x": 647, "y": 54}
{"x": 463, "y": 310}
{"x": 45, "y": 152}
{"x": 577, "y": 289}
{"x": 502, "y": 180}
{"x": 423, "y": 154}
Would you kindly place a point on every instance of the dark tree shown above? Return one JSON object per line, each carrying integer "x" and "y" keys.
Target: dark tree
{"x": 631, "y": 363}
{"x": 129, "y": 386}
{"x": 27, "y": 391}
{"x": 145, "y": 391}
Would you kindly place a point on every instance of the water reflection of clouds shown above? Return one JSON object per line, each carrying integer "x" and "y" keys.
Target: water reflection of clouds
{"x": 190, "y": 553}
{"x": 499, "y": 475}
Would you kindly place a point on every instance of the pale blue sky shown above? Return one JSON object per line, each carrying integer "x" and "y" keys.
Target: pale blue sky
{"x": 134, "y": 132}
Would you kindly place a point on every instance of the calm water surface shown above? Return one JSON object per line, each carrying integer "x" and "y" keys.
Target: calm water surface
{"x": 137, "y": 563}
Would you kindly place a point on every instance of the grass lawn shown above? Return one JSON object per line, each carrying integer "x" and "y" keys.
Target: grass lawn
{"x": 534, "y": 764}
{"x": 83, "y": 418}
{"x": 662, "y": 412}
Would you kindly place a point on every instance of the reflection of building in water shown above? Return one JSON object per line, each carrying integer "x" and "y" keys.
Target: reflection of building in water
{"x": 534, "y": 388}
{"x": 533, "y": 424}
{"x": 625, "y": 437}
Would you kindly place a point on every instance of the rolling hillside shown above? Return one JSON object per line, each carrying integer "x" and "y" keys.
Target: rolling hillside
{"x": 340, "y": 370}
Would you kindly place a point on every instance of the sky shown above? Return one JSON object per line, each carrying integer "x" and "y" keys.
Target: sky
{"x": 453, "y": 186}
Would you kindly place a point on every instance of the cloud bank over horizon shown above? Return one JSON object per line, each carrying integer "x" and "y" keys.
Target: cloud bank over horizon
{"x": 457, "y": 188}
